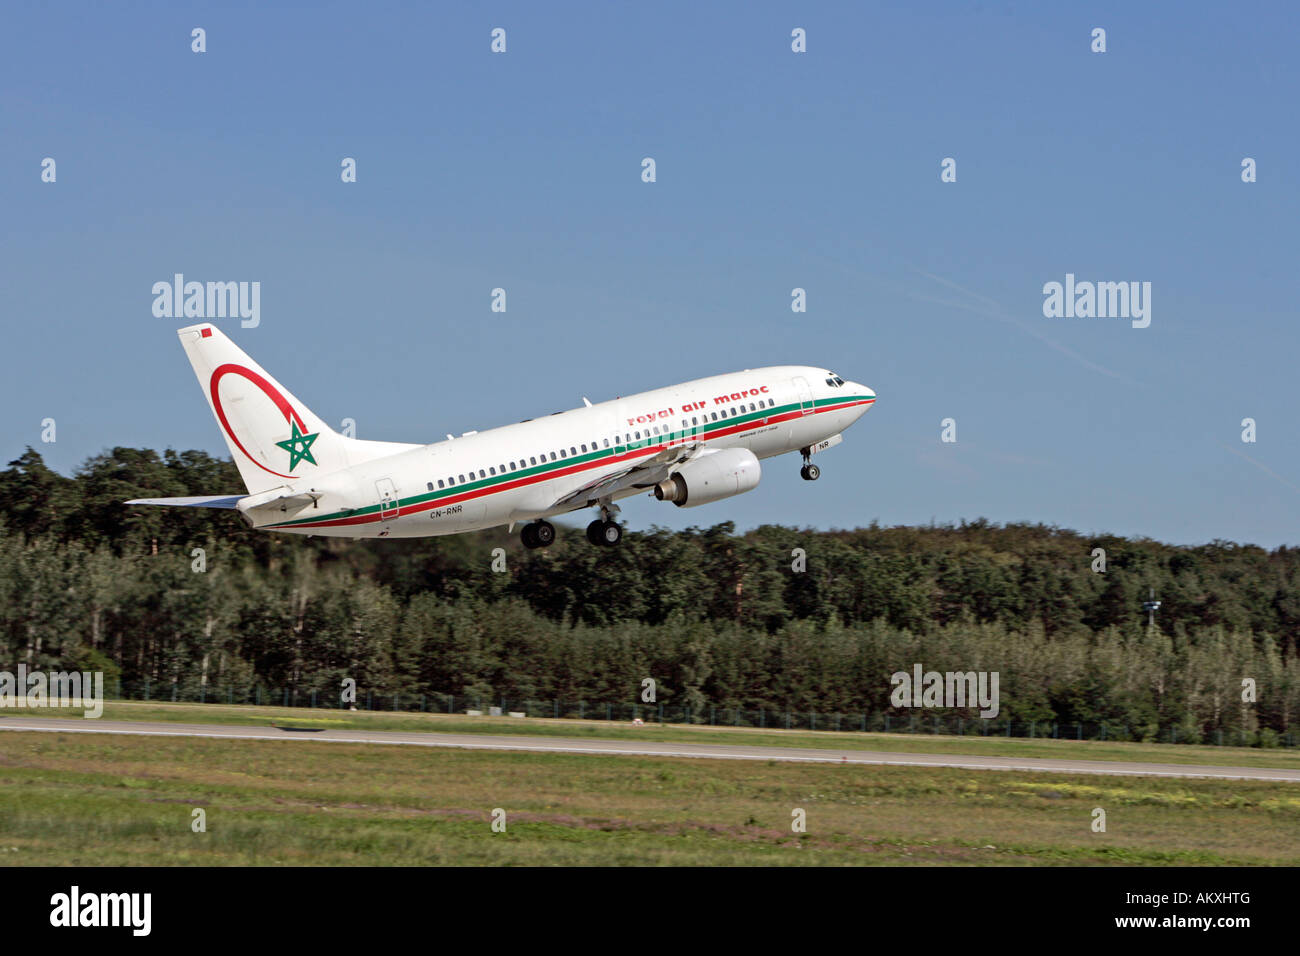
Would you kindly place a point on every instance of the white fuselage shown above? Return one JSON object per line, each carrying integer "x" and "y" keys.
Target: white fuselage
{"x": 530, "y": 470}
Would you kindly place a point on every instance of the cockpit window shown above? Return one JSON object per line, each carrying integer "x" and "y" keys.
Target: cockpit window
{"x": 834, "y": 381}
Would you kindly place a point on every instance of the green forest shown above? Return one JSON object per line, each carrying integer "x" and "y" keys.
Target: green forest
{"x": 717, "y": 619}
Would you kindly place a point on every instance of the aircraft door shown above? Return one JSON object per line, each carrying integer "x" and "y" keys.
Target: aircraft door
{"x": 388, "y": 504}
{"x": 805, "y": 394}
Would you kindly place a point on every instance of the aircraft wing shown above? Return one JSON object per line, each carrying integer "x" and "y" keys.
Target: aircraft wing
{"x": 643, "y": 474}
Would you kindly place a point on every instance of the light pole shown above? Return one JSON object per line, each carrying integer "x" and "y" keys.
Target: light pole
{"x": 1151, "y": 605}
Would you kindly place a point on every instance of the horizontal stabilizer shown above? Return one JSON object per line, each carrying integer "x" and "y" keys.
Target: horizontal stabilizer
{"x": 202, "y": 501}
{"x": 279, "y": 499}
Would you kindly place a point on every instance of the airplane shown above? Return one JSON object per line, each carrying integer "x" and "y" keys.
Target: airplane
{"x": 689, "y": 444}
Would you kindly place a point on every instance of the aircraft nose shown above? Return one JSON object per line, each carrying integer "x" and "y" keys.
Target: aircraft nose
{"x": 862, "y": 391}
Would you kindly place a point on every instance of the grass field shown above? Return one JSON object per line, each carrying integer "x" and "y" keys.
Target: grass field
{"x": 697, "y": 733}
{"x": 103, "y": 800}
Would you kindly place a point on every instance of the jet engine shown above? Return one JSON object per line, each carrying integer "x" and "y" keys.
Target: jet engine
{"x": 727, "y": 472}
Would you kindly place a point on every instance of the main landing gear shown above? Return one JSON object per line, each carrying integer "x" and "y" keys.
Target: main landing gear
{"x": 605, "y": 530}
{"x": 538, "y": 534}
{"x": 608, "y": 533}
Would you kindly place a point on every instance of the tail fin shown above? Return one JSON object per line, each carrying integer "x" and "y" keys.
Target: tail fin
{"x": 274, "y": 438}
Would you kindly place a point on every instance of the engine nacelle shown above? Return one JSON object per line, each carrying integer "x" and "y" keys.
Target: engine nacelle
{"x": 722, "y": 474}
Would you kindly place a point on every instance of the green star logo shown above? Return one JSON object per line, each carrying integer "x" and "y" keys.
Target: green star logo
{"x": 298, "y": 446}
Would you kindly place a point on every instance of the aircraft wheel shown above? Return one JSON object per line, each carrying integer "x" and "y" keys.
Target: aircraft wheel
{"x": 596, "y": 532}
{"x": 529, "y": 536}
{"x": 544, "y": 534}
{"x": 611, "y": 533}
{"x": 810, "y": 472}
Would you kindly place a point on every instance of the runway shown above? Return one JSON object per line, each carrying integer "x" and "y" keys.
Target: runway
{"x": 574, "y": 745}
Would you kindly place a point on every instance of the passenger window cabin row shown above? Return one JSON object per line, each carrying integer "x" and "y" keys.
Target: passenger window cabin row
{"x": 629, "y": 438}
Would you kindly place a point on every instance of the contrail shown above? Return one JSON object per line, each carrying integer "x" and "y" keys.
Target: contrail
{"x": 988, "y": 308}
{"x": 1262, "y": 467}
{"x": 994, "y": 310}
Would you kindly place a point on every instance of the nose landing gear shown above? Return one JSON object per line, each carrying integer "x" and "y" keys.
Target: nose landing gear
{"x": 809, "y": 471}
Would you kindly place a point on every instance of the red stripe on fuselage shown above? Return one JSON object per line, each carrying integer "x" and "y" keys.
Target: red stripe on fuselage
{"x": 561, "y": 472}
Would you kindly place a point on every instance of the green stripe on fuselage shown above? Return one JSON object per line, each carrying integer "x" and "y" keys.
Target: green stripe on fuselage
{"x": 559, "y": 463}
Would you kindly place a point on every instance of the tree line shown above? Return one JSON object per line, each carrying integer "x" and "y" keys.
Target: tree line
{"x": 776, "y": 618}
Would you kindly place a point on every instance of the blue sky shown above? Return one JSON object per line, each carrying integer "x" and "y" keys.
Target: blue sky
{"x": 775, "y": 170}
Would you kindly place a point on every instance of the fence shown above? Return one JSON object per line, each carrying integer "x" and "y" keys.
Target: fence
{"x": 894, "y": 721}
